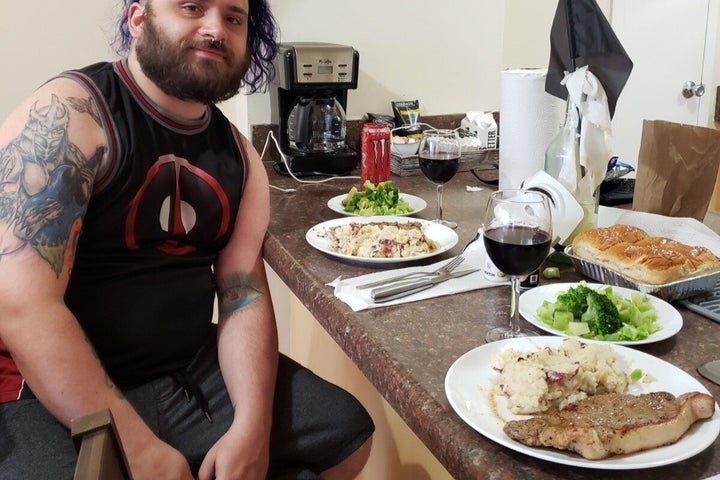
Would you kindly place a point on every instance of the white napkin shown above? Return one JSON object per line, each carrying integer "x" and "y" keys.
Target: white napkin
{"x": 683, "y": 229}
{"x": 586, "y": 91}
{"x": 359, "y": 299}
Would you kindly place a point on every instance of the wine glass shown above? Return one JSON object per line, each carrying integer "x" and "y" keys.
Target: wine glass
{"x": 439, "y": 159}
{"x": 517, "y": 233}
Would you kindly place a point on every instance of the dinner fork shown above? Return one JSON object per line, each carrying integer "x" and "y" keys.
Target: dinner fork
{"x": 442, "y": 270}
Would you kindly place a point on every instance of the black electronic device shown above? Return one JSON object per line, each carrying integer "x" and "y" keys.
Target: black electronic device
{"x": 617, "y": 192}
{"x": 308, "y": 100}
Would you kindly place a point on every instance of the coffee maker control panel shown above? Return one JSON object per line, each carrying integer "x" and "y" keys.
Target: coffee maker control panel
{"x": 314, "y": 63}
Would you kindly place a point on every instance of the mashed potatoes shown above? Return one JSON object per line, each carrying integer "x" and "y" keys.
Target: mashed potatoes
{"x": 381, "y": 239}
{"x": 552, "y": 378}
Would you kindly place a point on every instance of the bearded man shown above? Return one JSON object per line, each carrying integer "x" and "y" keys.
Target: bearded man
{"x": 168, "y": 205}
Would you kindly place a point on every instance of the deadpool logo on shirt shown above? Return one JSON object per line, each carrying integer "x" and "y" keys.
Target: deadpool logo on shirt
{"x": 178, "y": 208}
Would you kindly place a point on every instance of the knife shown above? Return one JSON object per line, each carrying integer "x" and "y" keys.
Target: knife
{"x": 711, "y": 371}
{"x": 403, "y": 289}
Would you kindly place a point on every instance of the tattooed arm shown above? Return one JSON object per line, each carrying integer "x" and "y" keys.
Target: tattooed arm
{"x": 50, "y": 152}
{"x": 247, "y": 339}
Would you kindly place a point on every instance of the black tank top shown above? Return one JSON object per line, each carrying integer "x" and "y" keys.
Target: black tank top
{"x": 162, "y": 208}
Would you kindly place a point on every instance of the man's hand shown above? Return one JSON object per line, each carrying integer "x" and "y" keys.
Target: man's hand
{"x": 156, "y": 460}
{"x": 236, "y": 455}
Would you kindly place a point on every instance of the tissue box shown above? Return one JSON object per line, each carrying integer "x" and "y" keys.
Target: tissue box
{"x": 480, "y": 125}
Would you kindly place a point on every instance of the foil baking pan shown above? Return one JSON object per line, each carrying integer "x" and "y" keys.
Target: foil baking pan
{"x": 669, "y": 292}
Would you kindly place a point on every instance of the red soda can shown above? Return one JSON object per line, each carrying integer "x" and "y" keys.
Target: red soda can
{"x": 375, "y": 142}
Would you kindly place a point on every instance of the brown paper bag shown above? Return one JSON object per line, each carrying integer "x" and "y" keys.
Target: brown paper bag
{"x": 677, "y": 168}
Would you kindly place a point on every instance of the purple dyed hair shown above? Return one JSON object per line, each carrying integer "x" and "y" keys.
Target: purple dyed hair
{"x": 262, "y": 43}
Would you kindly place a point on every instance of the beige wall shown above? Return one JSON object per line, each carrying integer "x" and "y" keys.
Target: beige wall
{"x": 398, "y": 40}
{"x": 449, "y": 59}
{"x": 40, "y": 38}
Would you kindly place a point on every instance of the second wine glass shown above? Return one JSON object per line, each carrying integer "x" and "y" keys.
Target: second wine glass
{"x": 517, "y": 233}
{"x": 439, "y": 159}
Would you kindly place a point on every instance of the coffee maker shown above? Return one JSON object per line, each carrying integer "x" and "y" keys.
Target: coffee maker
{"x": 308, "y": 100}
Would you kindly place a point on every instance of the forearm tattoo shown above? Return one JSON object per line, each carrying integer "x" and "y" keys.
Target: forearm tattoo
{"x": 237, "y": 291}
{"x": 45, "y": 184}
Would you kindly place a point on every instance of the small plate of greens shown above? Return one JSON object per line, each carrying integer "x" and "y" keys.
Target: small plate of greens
{"x": 381, "y": 199}
{"x": 600, "y": 312}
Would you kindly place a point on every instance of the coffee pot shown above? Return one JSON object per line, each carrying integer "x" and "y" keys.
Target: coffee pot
{"x": 308, "y": 101}
{"x": 317, "y": 124}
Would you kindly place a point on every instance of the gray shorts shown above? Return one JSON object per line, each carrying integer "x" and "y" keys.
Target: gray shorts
{"x": 315, "y": 424}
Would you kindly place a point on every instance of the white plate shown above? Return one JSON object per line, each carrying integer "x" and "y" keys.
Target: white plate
{"x": 468, "y": 386}
{"x": 445, "y": 237}
{"x": 668, "y": 317}
{"x": 416, "y": 203}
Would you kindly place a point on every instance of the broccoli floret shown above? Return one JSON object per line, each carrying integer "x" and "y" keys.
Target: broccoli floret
{"x": 607, "y": 317}
{"x": 574, "y": 300}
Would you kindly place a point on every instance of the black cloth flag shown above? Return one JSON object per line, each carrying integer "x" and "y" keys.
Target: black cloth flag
{"x": 581, "y": 35}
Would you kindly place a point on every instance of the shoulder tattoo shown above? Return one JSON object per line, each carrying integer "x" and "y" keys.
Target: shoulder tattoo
{"x": 85, "y": 105}
{"x": 45, "y": 184}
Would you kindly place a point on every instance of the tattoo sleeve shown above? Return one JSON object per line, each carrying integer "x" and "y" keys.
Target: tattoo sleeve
{"x": 237, "y": 291}
{"x": 45, "y": 184}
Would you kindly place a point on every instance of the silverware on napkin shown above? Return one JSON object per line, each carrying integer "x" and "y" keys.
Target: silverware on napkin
{"x": 403, "y": 289}
{"x": 442, "y": 270}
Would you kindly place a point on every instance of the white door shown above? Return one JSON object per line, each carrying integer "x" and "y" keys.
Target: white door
{"x": 670, "y": 42}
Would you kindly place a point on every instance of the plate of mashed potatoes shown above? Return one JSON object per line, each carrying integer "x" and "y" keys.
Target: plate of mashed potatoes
{"x": 485, "y": 393}
{"x": 381, "y": 239}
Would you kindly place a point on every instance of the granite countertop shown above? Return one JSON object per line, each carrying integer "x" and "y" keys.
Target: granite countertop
{"x": 406, "y": 350}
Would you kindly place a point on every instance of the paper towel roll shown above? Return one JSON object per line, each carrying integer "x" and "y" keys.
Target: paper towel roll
{"x": 529, "y": 119}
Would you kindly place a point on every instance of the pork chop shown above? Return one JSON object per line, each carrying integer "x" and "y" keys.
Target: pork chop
{"x": 614, "y": 423}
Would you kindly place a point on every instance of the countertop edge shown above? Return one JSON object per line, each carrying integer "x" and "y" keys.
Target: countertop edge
{"x": 392, "y": 381}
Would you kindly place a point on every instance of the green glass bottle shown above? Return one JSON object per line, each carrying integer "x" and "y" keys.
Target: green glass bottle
{"x": 562, "y": 162}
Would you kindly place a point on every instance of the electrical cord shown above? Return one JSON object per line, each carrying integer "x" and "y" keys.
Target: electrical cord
{"x": 405, "y": 127}
{"x": 271, "y": 136}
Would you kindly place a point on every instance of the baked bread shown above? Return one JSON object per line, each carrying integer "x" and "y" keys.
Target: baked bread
{"x": 631, "y": 252}
{"x": 600, "y": 239}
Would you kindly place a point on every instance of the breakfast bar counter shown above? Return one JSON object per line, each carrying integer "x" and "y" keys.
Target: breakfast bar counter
{"x": 405, "y": 350}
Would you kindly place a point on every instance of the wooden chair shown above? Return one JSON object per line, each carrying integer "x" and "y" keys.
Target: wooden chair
{"x": 100, "y": 453}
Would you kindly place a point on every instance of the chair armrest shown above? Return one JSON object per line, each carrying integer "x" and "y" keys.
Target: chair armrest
{"x": 100, "y": 453}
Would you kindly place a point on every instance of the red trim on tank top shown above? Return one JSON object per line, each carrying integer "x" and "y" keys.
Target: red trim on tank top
{"x": 152, "y": 108}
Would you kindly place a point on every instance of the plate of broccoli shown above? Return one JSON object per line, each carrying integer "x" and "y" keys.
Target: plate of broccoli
{"x": 381, "y": 199}
{"x": 600, "y": 312}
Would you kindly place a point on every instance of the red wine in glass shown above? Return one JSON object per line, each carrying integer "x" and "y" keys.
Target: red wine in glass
{"x": 439, "y": 167}
{"x": 439, "y": 160}
{"x": 517, "y": 234}
{"x": 516, "y": 249}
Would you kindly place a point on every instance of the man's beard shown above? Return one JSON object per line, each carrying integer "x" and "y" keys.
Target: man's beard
{"x": 168, "y": 65}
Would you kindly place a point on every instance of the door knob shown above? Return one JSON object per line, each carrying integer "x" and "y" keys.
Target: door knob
{"x": 690, "y": 88}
